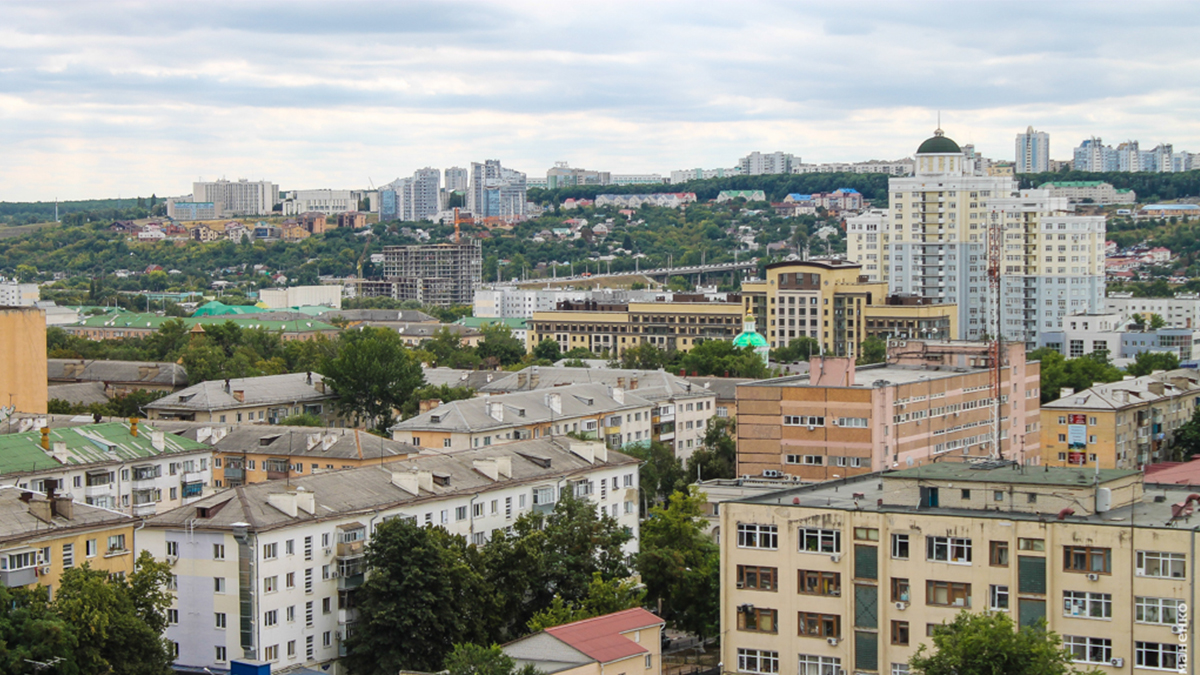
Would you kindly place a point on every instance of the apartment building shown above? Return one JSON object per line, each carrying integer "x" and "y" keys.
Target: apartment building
{"x": 301, "y": 296}
{"x": 303, "y": 543}
{"x": 23, "y": 359}
{"x": 833, "y": 302}
{"x": 129, "y": 324}
{"x": 457, "y": 179}
{"x": 1033, "y": 152}
{"x": 931, "y": 401}
{"x": 251, "y": 453}
{"x": 409, "y": 199}
{"x": 685, "y": 175}
{"x": 14, "y": 294}
{"x": 562, "y": 175}
{"x": 682, "y": 407}
{"x": 44, "y": 534}
{"x": 456, "y": 270}
{"x": 129, "y": 467}
{"x": 118, "y": 377}
{"x": 758, "y": 164}
{"x": 669, "y": 200}
{"x": 899, "y": 167}
{"x": 617, "y": 417}
{"x": 1180, "y": 311}
{"x": 328, "y": 202}
{"x": 936, "y": 245}
{"x": 1089, "y": 191}
{"x": 184, "y": 209}
{"x": 881, "y": 560}
{"x": 1111, "y": 334}
{"x": 265, "y": 400}
{"x": 495, "y": 191}
{"x": 1119, "y": 425}
{"x": 614, "y": 327}
{"x": 237, "y": 198}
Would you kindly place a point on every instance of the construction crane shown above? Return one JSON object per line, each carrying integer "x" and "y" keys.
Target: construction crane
{"x": 996, "y": 352}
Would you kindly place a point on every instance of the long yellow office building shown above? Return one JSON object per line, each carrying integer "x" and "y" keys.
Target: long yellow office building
{"x": 616, "y": 327}
{"x": 832, "y": 301}
{"x": 853, "y": 575}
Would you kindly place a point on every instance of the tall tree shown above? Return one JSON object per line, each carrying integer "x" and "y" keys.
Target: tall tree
{"x": 661, "y": 472}
{"x": 1145, "y": 363}
{"x": 680, "y": 564}
{"x": 372, "y": 374}
{"x": 603, "y": 597}
{"x": 469, "y": 659}
{"x": 425, "y": 585}
{"x": 990, "y": 643}
{"x": 31, "y": 630}
{"x": 499, "y": 344}
{"x": 872, "y": 350}
{"x": 717, "y": 455}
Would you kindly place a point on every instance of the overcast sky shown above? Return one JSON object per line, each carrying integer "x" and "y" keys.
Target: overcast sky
{"x": 104, "y": 99}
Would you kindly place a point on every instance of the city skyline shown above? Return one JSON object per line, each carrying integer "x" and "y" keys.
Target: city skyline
{"x": 121, "y": 99}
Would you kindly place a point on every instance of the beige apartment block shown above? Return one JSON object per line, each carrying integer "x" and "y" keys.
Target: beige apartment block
{"x": 852, "y": 576}
{"x": 22, "y": 359}
{"x": 931, "y": 401}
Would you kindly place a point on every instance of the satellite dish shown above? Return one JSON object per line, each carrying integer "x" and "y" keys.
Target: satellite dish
{"x": 909, "y": 461}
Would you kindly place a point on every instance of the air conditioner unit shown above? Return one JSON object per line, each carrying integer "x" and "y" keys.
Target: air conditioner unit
{"x": 901, "y": 606}
{"x": 832, "y": 641}
{"x": 811, "y": 428}
{"x": 333, "y": 574}
{"x": 172, "y": 559}
{"x": 1093, "y": 577}
{"x": 329, "y": 551}
{"x": 1117, "y": 662}
{"x": 741, "y": 584}
{"x": 835, "y": 558}
{"x": 1178, "y": 630}
{"x": 45, "y": 570}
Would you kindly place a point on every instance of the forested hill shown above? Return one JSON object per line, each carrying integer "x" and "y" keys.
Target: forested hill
{"x": 1149, "y": 187}
{"x": 81, "y": 211}
{"x": 873, "y": 186}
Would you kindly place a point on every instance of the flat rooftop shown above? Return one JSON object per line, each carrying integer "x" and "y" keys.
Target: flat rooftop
{"x": 867, "y": 376}
{"x": 863, "y": 493}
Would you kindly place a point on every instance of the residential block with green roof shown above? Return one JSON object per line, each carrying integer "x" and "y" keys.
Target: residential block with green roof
{"x": 137, "y": 325}
{"x": 125, "y": 466}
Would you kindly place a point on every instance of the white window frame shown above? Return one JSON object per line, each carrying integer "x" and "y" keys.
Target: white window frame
{"x": 829, "y": 542}
{"x": 754, "y": 535}
{"x": 1162, "y": 558}
{"x": 1087, "y": 645}
{"x": 995, "y": 593}
{"x": 1087, "y": 602}
{"x": 896, "y": 540}
{"x": 1160, "y": 606}
{"x": 1160, "y": 650}
{"x": 957, "y": 550}
{"x": 754, "y": 660}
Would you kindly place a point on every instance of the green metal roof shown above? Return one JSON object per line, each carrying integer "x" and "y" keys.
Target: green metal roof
{"x": 154, "y": 321}
{"x": 938, "y": 143}
{"x": 1072, "y": 183}
{"x": 749, "y": 339}
{"x": 217, "y": 308}
{"x": 89, "y": 444}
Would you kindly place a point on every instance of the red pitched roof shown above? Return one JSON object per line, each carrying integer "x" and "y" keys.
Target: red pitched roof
{"x": 601, "y": 637}
{"x": 1180, "y": 473}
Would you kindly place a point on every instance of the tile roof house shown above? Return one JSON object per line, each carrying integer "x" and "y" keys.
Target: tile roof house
{"x": 118, "y": 377}
{"x": 622, "y": 642}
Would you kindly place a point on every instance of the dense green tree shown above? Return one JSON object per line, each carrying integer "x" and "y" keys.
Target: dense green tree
{"x": 31, "y": 630}
{"x": 721, "y": 358}
{"x": 424, "y": 584}
{"x": 661, "y": 473}
{"x": 498, "y": 345}
{"x": 717, "y": 455}
{"x": 1058, "y": 372}
{"x": 470, "y": 659}
{"x": 799, "y": 349}
{"x": 1186, "y": 443}
{"x": 1156, "y": 322}
{"x": 547, "y": 349}
{"x": 1145, "y": 363}
{"x": 680, "y": 564}
{"x": 991, "y": 644}
{"x": 872, "y": 350}
{"x": 444, "y": 393}
{"x": 603, "y": 597}
{"x": 372, "y": 375}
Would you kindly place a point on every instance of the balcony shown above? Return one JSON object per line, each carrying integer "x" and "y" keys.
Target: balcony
{"x": 235, "y": 473}
{"x": 16, "y": 578}
{"x": 351, "y": 549}
{"x": 544, "y": 508}
{"x": 148, "y": 509}
{"x": 98, "y": 490}
{"x": 351, "y": 581}
{"x": 193, "y": 477}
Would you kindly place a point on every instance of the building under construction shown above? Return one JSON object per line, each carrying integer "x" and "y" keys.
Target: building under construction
{"x": 433, "y": 274}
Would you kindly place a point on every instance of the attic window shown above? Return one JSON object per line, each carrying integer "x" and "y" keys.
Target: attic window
{"x": 540, "y": 460}
{"x": 520, "y": 412}
{"x": 184, "y": 398}
{"x": 435, "y": 419}
{"x": 267, "y": 440}
{"x": 442, "y": 479}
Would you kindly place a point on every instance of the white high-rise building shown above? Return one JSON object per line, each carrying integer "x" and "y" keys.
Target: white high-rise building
{"x": 933, "y": 242}
{"x": 457, "y": 178}
{"x": 237, "y": 198}
{"x": 1033, "y": 151}
{"x": 495, "y": 191}
{"x": 414, "y": 198}
{"x": 329, "y": 202}
{"x": 758, "y": 164}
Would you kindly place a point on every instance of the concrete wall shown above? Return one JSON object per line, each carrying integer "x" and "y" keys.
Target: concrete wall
{"x": 23, "y": 359}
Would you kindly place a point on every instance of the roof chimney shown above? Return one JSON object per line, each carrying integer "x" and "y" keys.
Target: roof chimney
{"x": 45, "y": 438}
{"x": 133, "y": 426}
{"x": 239, "y": 395}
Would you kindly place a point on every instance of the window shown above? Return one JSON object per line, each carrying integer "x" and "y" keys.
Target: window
{"x": 289, "y": 546}
{"x": 1088, "y": 649}
{"x": 219, "y": 620}
{"x": 327, "y": 639}
{"x": 1157, "y": 610}
{"x": 291, "y": 613}
{"x": 1087, "y": 605}
{"x": 757, "y": 619}
{"x": 820, "y": 541}
{"x": 1088, "y": 559}
{"x": 900, "y": 632}
{"x": 477, "y": 510}
{"x": 308, "y": 647}
{"x": 649, "y": 661}
{"x": 812, "y": 624}
{"x": 290, "y": 580}
{"x": 271, "y": 653}
{"x": 218, "y": 584}
{"x": 270, "y": 551}
{"x": 270, "y": 584}
{"x": 947, "y": 594}
{"x": 1157, "y": 655}
{"x": 900, "y": 669}
{"x": 326, "y": 605}
{"x": 853, "y": 422}
{"x": 291, "y": 648}
{"x": 803, "y": 421}
{"x": 998, "y": 495}
{"x": 308, "y": 580}
{"x": 900, "y": 591}
{"x": 1160, "y": 564}
{"x": 812, "y": 582}
{"x": 173, "y": 548}
{"x": 220, "y": 656}
{"x": 757, "y": 661}
{"x": 997, "y": 597}
{"x": 218, "y": 551}
{"x": 900, "y": 546}
{"x": 948, "y": 549}
{"x": 116, "y": 543}
{"x": 751, "y": 535}
{"x": 757, "y": 578}
{"x": 173, "y": 616}
{"x": 271, "y": 618}
{"x": 866, "y": 534}
{"x": 998, "y": 553}
{"x": 811, "y": 664}
{"x": 1031, "y": 544}
{"x": 308, "y": 614}
{"x": 68, "y": 556}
